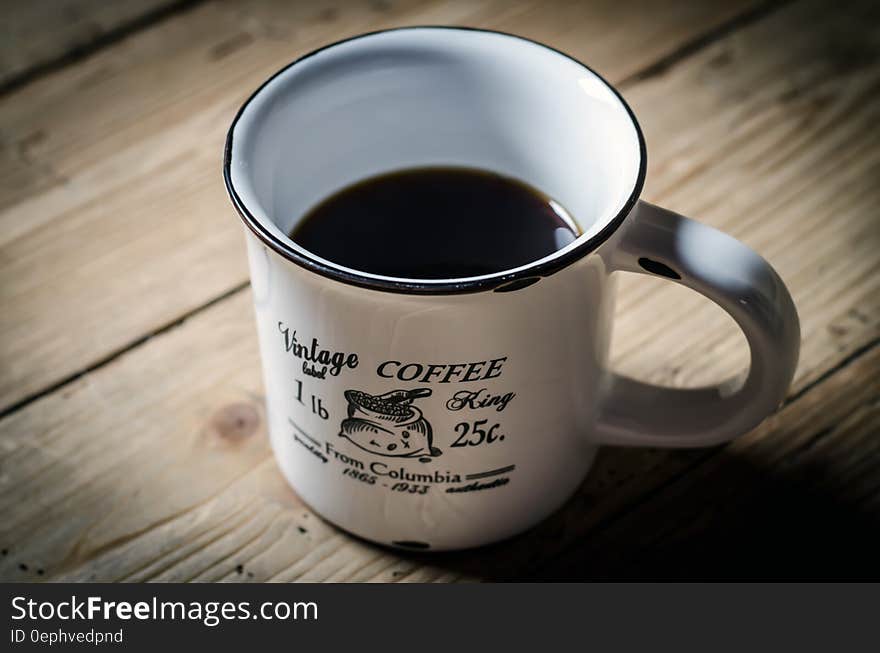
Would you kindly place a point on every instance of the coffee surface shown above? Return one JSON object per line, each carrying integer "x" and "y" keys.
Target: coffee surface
{"x": 435, "y": 223}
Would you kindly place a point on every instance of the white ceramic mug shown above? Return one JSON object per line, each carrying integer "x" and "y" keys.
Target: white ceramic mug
{"x": 449, "y": 413}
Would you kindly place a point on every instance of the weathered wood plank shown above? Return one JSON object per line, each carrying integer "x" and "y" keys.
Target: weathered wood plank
{"x": 149, "y": 453}
{"x": 798, "y": 498}
{"x": 37, "y": 32}
{"x": 109, "y": 176}
{"x": 81, "y": 468}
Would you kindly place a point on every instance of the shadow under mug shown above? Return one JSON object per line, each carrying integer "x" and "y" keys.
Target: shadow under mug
{"x": 450, "y": 413}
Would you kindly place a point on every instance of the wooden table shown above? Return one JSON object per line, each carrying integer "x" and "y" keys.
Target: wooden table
{"x": 132, "y": 441}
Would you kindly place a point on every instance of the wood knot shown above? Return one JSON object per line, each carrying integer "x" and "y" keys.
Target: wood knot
{"x": 235, "y": 422}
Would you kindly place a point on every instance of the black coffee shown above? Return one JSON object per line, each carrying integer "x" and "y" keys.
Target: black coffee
{"x": 435, "y": 223}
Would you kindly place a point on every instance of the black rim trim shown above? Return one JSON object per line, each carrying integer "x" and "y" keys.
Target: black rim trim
{"x": 412, "y": 287}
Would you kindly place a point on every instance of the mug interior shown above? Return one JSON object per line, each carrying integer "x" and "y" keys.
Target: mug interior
{"x": 417, "y": 97}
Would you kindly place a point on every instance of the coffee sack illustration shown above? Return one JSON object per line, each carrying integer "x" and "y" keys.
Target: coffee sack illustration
{"x": 389, "y": 424}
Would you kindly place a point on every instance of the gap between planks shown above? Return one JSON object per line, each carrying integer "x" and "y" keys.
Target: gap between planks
{"x": 121, "y": 351}
{"x": 78, "y": 53}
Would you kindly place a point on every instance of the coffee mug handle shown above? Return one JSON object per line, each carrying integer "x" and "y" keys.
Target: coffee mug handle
{"x": 666, "y": 244}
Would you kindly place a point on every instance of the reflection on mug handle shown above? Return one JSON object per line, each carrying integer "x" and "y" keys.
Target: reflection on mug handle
{"x": 664, "y": 243}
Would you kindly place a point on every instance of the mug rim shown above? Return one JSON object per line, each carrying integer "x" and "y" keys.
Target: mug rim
{"x": 519, "y": 277}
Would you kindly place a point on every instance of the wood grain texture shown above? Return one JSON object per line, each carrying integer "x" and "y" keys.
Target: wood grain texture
{"x": 147, "y": 469}
{"x": 37, "y": 32}
{"x": 114, "y": 220}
